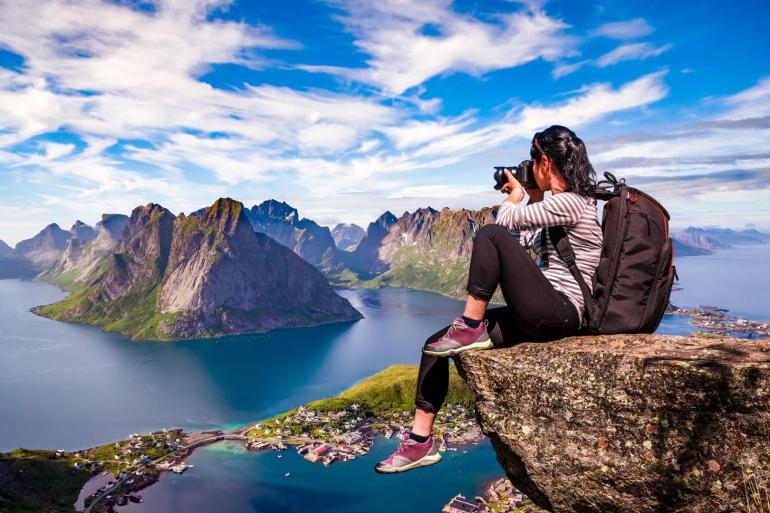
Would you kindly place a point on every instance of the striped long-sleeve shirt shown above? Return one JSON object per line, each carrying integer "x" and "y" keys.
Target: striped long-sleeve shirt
{"x": 579, "y": 217}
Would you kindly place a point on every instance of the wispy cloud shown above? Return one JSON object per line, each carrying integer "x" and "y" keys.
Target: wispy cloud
{"x": 627, "y": 29}
{"x": 721, "y": 152}
{"x": 413, "y": 41}
{"x": 591, "y": 104}
{"x": 752, "y": 103}
{"x": 563, "y": 69}
{"x": 631, "y": 51}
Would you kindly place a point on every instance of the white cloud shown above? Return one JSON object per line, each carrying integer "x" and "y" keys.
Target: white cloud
{"x": 753, "y": 102}
{"x": 415, "y": 133}
{"x": 705, "y": 169}
{"x": 410, "y": 42}
{"x": 592, "y": 104}
{"x": 629, "y": 52}
{"x": 563, "y": 69}
{"x": 52, "y": 150}
{"x": 628, "y": 29}
{"x": 141, "y": 71}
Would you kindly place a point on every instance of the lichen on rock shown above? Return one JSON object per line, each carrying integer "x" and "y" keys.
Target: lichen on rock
{"x": 628, "y": 423}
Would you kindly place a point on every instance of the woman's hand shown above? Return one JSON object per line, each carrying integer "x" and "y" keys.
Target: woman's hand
{"x": 512, "y": 184}
{"x": 535, "y": 195}
{"x": 513, "y": 188}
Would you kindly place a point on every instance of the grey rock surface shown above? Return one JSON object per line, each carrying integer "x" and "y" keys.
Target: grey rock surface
{"x": 628, "y": 423}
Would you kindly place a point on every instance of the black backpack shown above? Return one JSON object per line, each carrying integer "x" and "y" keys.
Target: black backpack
{"x": 632, "y": 284}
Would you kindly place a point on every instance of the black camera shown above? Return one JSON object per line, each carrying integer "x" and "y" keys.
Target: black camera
{"x": 524, "y": 173}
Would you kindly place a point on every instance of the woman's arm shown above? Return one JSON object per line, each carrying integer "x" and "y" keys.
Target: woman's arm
{"x": 559, "y": 209}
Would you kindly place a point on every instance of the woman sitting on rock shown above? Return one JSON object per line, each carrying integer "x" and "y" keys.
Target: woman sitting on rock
{"x": 543, "y": 299}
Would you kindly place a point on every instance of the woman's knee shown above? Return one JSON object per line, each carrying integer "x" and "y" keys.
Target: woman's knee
{"x": 491, "y": 230}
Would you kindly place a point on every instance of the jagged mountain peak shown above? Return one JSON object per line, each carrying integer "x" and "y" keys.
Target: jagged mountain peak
{"x": 226, "y": 216}
{"x": 423, "y": 210}
{"x": 225, "y": 208}
{"x": 281, "y": 221}
{"x": 111, "y": 219}
{"x": 144, "y": 214}
{"x": 276, "y": 209}
{"x": 144, "y": 244}
{"x": 82, "y": 232}
{"x": 386, "y": 218}
{"x": 52, "y": 227}
{"x": 424, "y": 249}
{"x": 45, "y": 247}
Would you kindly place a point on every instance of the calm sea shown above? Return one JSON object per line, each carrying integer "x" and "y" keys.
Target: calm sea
{"x": 69, "y": 386}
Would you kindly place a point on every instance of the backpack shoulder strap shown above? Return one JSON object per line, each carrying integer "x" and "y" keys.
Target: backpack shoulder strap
{"x": 563, "y": 247}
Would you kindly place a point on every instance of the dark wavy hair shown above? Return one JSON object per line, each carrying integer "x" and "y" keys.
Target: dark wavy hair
{"x": 568, "y": 153}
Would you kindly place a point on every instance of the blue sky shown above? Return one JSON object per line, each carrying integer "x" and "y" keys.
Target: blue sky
{"x": 348, "y": 108}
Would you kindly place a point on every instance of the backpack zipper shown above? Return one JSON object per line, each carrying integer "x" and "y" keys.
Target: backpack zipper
{"x": 634, "y": 197}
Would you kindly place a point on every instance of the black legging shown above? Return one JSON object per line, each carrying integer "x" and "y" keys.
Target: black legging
{"x": 535, "y": 311}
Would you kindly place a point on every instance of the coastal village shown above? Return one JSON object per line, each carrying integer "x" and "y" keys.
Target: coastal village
{"x": 327, "y": 436}
{"x": 135, "y": 463}
{"x": 500, "y": 496}
{"x": 337, "y": 431}
{"x": 716, "y": 321}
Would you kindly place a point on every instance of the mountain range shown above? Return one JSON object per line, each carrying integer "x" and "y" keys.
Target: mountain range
{"x": 201, "y": 275}
{"x": 312, "y": 242}
{"x": 426, "y": 249}
{"x": 164, "y": 276}
{"x": 702, "y": 241}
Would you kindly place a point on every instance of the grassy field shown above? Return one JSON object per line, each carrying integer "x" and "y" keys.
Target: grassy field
{"x": 389, "y": 391}
{"x": 39, "y": 481}
{"x": 392, "y": 390}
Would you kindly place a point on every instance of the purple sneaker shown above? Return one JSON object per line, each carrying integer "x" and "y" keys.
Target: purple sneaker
{"x": 458, "y": 338}
{"x": 410, "y": 454}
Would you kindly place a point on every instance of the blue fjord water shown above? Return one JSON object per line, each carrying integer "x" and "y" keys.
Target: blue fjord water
{"x": 70, "y": 386}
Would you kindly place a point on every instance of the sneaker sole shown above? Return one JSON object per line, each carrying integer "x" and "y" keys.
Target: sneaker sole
{"x": 425, "y": 461}
{"x": 486, "y": 344}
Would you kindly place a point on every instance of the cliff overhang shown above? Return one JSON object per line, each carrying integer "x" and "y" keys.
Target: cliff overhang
{"x": 629, "y": 423}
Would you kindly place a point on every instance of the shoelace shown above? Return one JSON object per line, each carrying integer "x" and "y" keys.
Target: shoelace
{"x": 402, "y": 446}
{"x": 455, "y": 324}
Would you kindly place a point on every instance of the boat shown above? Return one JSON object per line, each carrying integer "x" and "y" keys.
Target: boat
{"x": 287, "y": 474}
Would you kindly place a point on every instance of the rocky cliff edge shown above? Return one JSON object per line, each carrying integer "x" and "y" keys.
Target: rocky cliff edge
{"x": 629, "y": 423}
